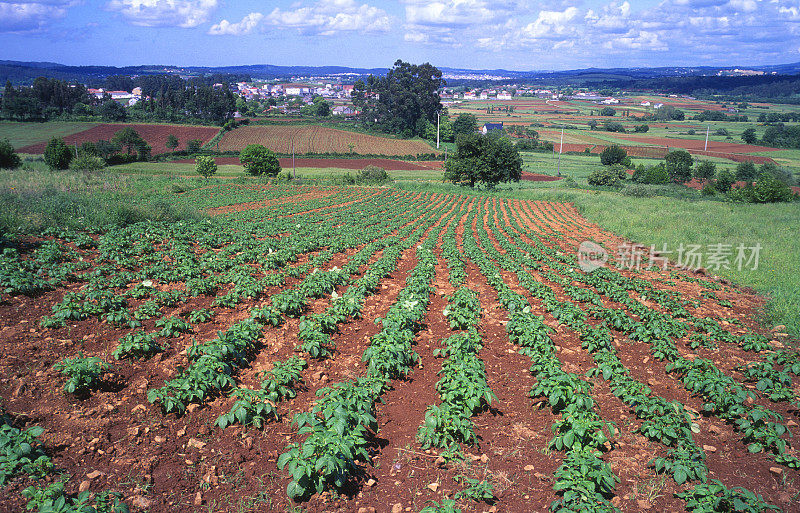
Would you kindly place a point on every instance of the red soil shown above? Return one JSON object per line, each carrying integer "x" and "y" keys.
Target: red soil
{"x": 155, "y": 135}
{"x": 388, "y": 164}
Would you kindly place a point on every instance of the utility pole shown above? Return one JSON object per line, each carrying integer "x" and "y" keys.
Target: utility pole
{"x": 708, "y": 128}
{"x": 560, "y": 148}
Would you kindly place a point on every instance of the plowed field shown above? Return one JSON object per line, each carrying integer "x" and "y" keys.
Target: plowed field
{"x": 318, "y": 139}
{"x": 371, "y": 349}
{"x": 155, "y": 135}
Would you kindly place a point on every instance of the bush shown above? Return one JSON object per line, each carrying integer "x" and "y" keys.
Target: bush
{"x": 607, "y": 176}
{"x": 781, "y": 173}
{"x": 87, "y": 162}
{"x": 373, "y": 174}
{"x": 725, "y": 181}
{"x": 57, "y": 154}
{"x": 8, "y": 157}
{"x": 766, "y": 189}
{"x": 708, "y": 189}
{"x": 205, "y": 166}
{"x": 608, "y": 111}
{"x": 746, "y": 171}
{"x": 193, "y": 145}
{"x": 641, "y": 129}
{"x": 705, "y": 170}
{"x": 656, "y": 175}
{"x": 679, "y": 166}
{"x": 259, "y": 160}
{"x": 613, "y": 155}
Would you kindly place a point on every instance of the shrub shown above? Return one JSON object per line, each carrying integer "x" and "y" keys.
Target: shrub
{"x": 8, "y": 157}
{"x": 766, "y": 189}
{"x": 205, "y": 166}
{"x": 259, "y": 160}
{"x": 606, "y": 176}
{"x": 679, "y": 166}
{"x": 652, "y": 175}
{"x": 708, "y": 189}
{"x": 193, "y": 145}
{"x": 641, "y": 129}
{"x": 608, "y": 111}
{"x": 781, "y": 173}
{"x": 372, "y": 174}
{"x": 705, "y": 170}
{"x": 725, "y": 181}
{"x": 57, "y": 154}
{"x": 746, "y": 171}
{"x": 613, "y": 155}
{"x": 87, "y": 162}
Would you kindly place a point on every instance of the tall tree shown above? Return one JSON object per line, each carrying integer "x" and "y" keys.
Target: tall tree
{"x": 483, "y": 159}
{"x": 396, "y": 102}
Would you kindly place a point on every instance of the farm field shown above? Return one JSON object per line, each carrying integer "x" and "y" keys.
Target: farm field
{"x": 319, "y": 139}
{"x": 389, "y": 346}
{"x": 154, "y": 134}
{"x": 21, "y": 134}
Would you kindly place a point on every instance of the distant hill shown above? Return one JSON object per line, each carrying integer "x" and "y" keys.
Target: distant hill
{"x": 672, "y": 78}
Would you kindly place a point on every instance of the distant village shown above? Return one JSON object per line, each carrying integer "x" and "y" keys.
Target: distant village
{"x": 287, "y": 98}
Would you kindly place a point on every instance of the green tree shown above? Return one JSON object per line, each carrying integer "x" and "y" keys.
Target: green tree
{"x": 483, "y": 159}
{"x": 395, "y": 102}
{"x": 679, "y": 166}
{"x": 8, "y": 157}
{"x": 111, "y": 110}
{"x": 465, "y": 124}
{"x": 607, "y": 176}
{"x": 259, "y": 160}
{"x": 608, "y": 111}
{"x": 746, "y": 171}
{"x": 749, "y": 136}
{"x": 129, "y": 139}
{"x": 172, "y": 142}
{"x": 205, "y": 166}
{"x": 193, "y": 145}
{"x": 725, "y": 181}
{"x": 613, "y": 155}
{"x": 705, "y": 170}
{"x": 57, "y": 154}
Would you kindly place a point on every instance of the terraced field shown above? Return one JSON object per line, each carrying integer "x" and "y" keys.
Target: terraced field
{"x": 319, "y": 139}
{"x": 349, "y": 348}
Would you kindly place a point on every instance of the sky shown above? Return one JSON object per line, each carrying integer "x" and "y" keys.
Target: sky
{"x": 474, "y": 34}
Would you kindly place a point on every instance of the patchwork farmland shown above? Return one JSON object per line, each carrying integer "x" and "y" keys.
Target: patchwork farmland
{"x": 319, "y": 139}
{"x": 362, "y": 347}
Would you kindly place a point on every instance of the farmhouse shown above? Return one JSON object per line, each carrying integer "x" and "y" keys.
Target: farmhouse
{"x": 488, "y": 127}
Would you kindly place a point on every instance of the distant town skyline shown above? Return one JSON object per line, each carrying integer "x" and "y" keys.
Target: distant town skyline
{"x": 473, "y": 34}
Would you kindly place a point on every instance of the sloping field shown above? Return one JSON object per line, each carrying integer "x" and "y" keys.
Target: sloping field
{"x": 155, "y": 135}
{"x": 22, "y": 135}
{"x": 318, "y": 139}
{"x": 392, "y": 350}
{"x": 694, "y": 144}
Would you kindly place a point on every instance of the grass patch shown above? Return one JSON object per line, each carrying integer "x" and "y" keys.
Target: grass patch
{"x": 22, "y": 134}
{"x": 32, "y": 200}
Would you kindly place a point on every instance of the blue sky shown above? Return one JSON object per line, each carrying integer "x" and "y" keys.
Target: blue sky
{"x": 511, "y": 34}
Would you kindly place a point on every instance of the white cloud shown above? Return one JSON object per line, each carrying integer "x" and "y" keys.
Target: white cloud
{"x": 329, "y": 17}
{"x": 744, "y": 5}
{"x": 451, "y": 12}
{"x": 551, "y": 25}
{"x": 31, "y": 16}
{"x": 246, "y": 26}
{"x": 164, "y": 13}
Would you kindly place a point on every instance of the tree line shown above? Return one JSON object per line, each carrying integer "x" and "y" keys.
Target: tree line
{"x": 164, "y": 98}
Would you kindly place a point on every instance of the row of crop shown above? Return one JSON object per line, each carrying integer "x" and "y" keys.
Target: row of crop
{"x": 22, "y": 454}
{"x": 584, "y": 481}
{"x": 338, "y": 424}
{"x": 664, "y": 421}
{"x": 212, "y": 364}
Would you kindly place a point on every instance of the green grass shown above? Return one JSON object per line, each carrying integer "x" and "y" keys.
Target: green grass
{"x": 673, "y": 222}
{"x": 227, "y": 171}
{"x": 24, "y": 134}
